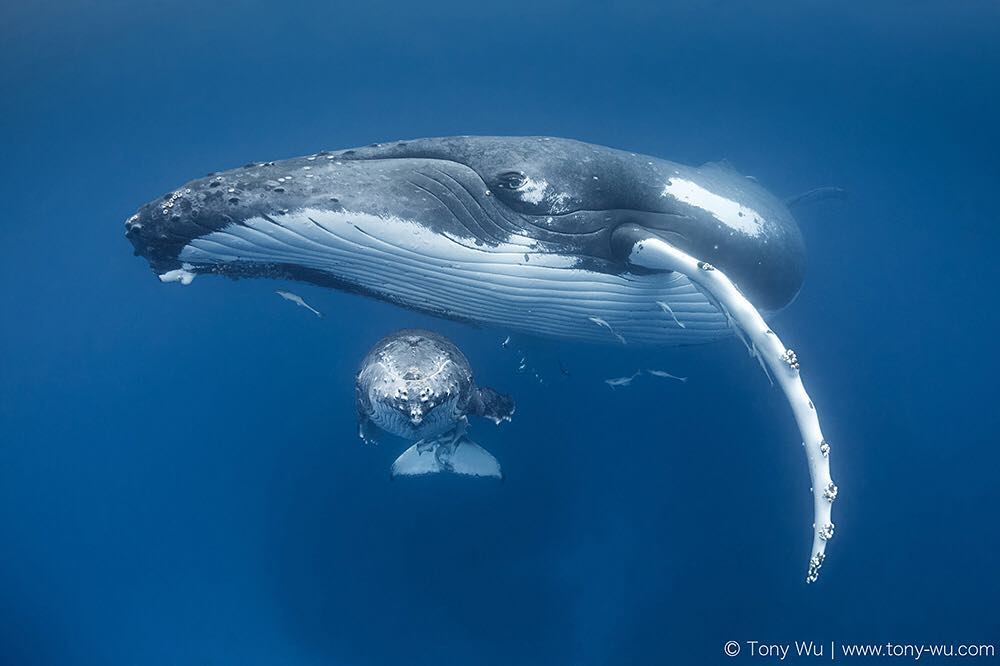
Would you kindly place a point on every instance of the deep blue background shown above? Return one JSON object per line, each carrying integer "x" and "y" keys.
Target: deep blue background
{"x": 180, "y": 480}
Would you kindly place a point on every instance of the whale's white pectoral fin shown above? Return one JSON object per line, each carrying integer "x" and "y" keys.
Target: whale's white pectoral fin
{"x": 658, "y": 254}
{"x": 458, "y": 455}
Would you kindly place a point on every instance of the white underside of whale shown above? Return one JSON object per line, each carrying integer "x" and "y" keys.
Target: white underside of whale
{"x": 513, "y": 285}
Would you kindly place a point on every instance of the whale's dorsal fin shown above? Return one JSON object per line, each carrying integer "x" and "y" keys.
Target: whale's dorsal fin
{"x": 816, "y": 194}
{"x": 491, "y": 404}
{"x": 721, "y": 164}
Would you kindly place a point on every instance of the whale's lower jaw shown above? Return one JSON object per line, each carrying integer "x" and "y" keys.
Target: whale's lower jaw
{"x": 513, "y": 285}
{"x": 437, "y": 421}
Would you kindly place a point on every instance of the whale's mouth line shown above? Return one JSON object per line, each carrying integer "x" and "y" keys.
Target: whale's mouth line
{"x": 457, "y": 192}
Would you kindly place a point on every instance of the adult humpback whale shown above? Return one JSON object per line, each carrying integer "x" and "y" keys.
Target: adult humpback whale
{"x": 547, "y": 236}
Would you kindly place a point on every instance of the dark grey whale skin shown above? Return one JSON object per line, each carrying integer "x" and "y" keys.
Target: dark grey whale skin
{"x": 472, "y": 182}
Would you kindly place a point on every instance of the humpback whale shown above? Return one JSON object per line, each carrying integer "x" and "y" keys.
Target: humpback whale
{"x": 418, "y": 385}
{"x": 541, "y": 235}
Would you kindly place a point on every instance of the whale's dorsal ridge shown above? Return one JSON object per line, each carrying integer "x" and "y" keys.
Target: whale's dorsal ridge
{"x": 815, "y": 195}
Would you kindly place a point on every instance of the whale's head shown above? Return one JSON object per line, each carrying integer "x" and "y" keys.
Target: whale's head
{"x": 414, "y": 384}
{"x": 402, "y": 221}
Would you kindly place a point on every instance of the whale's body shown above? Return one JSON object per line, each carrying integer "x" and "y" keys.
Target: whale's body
{"x": 513, "y": 232}
{"x": 418, "y": 385}
{"x": 547, "y": 236}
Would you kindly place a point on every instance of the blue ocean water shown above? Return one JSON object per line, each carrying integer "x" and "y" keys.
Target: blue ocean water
{"x": 180, "y": 476}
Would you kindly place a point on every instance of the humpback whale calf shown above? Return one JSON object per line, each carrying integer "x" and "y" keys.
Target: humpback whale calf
{"x": 540, "y": 235}
{"x": 418, "y": 385}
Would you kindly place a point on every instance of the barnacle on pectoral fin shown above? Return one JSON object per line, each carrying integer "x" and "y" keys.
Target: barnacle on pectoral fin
{"x": 815, "y": 563}
{"x": 655, "y": 253}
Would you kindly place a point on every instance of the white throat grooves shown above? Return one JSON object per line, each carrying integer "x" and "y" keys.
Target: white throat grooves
{"x": 655, "y": 253}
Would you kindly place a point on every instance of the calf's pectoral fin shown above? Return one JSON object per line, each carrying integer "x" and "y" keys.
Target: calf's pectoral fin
{"x": 366, "y": 430}
{"x": 452, "y": 453}
{"x": 491, "y": 404}
{"x": 640, "y": 247}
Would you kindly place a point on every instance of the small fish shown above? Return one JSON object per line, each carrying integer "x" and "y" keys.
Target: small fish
{"x": 503, "y": 345}
{"x": 295, "y": 298}
{"x": 622, "y": 381}
{"x": 601, "y": 322}
{"x": 666, "y": 308}
{"x": 666, "y": 375}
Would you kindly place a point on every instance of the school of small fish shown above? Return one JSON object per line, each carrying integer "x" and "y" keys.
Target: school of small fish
{"x": 616, "y": 382}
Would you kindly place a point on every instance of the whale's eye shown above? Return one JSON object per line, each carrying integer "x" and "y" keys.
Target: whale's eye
{"x": 511, "y": 180}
